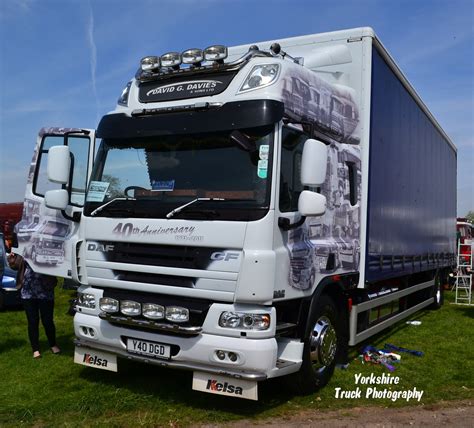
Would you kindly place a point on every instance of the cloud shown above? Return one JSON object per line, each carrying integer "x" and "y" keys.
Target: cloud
{"x": 12, "y": 8}
{"x": 93, "y": 57}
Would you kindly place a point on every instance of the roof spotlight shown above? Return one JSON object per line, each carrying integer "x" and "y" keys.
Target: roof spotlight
{"x": 215, "y": 53}
{"x": 192, "y": 56}
{"x": 171, "y": 59}
{"x": 150, "y": 63}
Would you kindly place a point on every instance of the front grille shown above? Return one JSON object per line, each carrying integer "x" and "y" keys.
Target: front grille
{"x": 159, "y": 255}
{"x": 149, "y": 278}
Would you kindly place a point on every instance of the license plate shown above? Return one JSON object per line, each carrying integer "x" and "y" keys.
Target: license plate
{"x": 151, "y": 349}
{"x": 96, "y": 359}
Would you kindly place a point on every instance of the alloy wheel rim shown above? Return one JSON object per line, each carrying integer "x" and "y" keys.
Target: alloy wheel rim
{"x": 323, "y": 343}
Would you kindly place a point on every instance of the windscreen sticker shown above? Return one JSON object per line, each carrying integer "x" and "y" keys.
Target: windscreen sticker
{"x": 97, "y": 191}
{"x": 263, "y": 151}
{"x": 162, "y": 186}
{"x": 262, "y": 168}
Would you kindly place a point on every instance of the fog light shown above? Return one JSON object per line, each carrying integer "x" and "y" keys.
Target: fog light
{"x": 130, "y": 308}
{"x": 220, "y": 355}
{"x": 232, "y": 357}
{"x": 150, "y": 63}
{"x": 108, "y": 305}
{"x": 215, "y": 53}
{"x": 170, "y": 59}
{"x": 192, "y": 56}
{"x": 177, "y": 314}
{"x": 153, "y": 311}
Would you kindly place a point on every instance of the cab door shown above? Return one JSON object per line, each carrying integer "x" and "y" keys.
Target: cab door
{"x": 46, "y": 236}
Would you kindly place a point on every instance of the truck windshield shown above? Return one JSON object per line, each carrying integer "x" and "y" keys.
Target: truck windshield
{"x": 151, "y": 176}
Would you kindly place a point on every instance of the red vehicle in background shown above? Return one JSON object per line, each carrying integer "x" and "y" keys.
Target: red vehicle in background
{"x": 465, "y": 235}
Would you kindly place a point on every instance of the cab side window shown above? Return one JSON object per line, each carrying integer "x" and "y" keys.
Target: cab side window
{"x": 290, "y": 175}
{"x": 42, "y": 184}
{"x": 79, "y": 148}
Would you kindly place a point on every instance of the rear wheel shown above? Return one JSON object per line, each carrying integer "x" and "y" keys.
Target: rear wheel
{"x": 321, "y": 349}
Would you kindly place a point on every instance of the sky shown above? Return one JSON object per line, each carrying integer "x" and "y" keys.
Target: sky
{"x": 65, "y": 62}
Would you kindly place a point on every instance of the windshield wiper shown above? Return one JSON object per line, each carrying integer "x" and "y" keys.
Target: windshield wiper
{"x": 182, "y": 207}
{"x": 99, "y": 209}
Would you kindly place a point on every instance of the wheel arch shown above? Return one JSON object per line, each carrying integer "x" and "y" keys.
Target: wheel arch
{"x": 336, "y": 287}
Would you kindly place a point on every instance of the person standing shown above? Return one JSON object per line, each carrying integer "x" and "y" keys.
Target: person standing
{"x": 37, "y": 294}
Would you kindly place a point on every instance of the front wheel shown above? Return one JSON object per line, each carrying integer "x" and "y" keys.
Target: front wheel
{"x": 321, "y": 348}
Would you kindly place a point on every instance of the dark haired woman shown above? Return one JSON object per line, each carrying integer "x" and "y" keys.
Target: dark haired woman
{"x": 37, "y": 294}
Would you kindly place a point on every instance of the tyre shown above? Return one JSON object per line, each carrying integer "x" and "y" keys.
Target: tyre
{"x": 438, "y": 292}
{"x": 322, "y": 347}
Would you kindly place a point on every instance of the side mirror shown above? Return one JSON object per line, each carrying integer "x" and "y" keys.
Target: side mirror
{"x": 314, "y": 163}
{"x": 56, "y": 199}
{"x": 311, "y": 203}
{"x": 59, "y": 164}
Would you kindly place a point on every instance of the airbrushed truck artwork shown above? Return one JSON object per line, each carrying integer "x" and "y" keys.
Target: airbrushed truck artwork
{"x": 328, "y": 243}
{"x": 248, "y": 213}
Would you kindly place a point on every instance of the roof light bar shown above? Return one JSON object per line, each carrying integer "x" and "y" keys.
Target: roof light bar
{"x": 171, "y": 59}
{"x": 150, "y": 63}
{"x": 192, "y": 56}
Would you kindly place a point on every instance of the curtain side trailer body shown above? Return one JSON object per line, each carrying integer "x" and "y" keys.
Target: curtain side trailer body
{"x": 249, "y": 213}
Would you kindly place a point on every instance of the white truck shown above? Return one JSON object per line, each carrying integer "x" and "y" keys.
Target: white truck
{"x": 251, "y": 212}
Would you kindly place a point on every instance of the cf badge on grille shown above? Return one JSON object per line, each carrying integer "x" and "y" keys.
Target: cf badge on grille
{"x": 224, "y": 256}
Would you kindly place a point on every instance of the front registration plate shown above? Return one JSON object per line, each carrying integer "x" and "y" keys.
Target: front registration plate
{"x": 151, "y": 349}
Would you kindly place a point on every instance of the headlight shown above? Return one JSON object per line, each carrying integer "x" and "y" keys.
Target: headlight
{"x": 130, "y": 308}
{"x": 153, "y": 311}
{"x": 260, "y": 76}
{"x": 123, "y": 99}
{"x": 109, "y": 305}
{"x": 177, "y": 314}
{"x": 244, "y": 320}
{"x": 86, "y": 300}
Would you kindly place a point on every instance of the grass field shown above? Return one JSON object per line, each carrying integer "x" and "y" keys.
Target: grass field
{"x": 54, "y": 391}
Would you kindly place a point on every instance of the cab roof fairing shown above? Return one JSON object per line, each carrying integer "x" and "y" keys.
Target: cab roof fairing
{"x": 296, "y": 86}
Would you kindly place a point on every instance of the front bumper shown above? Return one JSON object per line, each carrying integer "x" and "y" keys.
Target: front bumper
{"x": 257, "y": 358}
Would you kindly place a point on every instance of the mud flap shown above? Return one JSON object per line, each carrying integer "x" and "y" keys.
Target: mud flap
{"x": 96, "y": 359}
{"x": 224, "y": 385}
